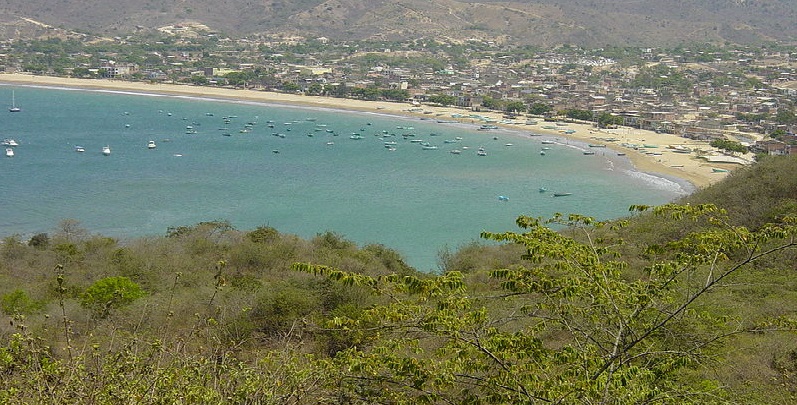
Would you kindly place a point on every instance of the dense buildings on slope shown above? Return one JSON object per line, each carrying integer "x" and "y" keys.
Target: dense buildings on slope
{"x": 700, "y": 92}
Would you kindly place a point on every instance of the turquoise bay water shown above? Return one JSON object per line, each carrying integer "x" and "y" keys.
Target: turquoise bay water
{"x": 413, "y": 200}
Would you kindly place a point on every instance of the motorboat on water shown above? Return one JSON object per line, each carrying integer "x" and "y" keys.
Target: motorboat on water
{"x": 9, "y": 152}
{"x": 106, "y": 150}
{"x": 10, "y": 142}
{"x": 151, "y": 145}
{"x": 79, "y": 149}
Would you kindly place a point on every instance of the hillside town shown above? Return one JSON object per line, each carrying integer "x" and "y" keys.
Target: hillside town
{"x": 745, "y": 94}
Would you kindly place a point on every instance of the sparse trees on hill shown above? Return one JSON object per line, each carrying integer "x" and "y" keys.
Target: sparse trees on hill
{"x": 575, "y": 323}
{"x": 683, "y": 303}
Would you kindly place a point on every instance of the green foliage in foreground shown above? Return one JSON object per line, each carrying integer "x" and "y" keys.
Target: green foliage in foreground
{"x": 110, "y": 293}
{"x": 572, "y": 326}
{"x": 683, "y": 303}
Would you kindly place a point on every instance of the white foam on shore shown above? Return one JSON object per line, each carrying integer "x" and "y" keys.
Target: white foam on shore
{"x": 681, "y": 188}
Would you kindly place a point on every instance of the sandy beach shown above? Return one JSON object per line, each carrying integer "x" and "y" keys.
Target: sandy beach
{"x": 650, "y": 152}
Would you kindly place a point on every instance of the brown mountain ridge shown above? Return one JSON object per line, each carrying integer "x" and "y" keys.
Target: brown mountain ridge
{"x": 590, "y": 23}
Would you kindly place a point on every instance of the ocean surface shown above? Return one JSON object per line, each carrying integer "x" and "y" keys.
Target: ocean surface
{"x": 296, "y": 169}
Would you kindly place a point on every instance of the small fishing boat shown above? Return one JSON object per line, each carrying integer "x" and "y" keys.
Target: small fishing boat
{"x": 503, "y": 198}
{"x": 10, "y": 142}
{"x": 9, "y": 152}
{"x": 79, "y": 149}
{"x": 106, "y": 150}
{"x": 481, "y": 152}
{"x": 151, "y": 145}
{"x": 561, "y": 194}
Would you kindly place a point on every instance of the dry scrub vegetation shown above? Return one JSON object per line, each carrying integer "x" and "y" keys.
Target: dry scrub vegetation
{"x": 685, "y": 303}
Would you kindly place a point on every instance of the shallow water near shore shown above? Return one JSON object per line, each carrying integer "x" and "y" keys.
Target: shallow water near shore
{"x": 293, "y": 168}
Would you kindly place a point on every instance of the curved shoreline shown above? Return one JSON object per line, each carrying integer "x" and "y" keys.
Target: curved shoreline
{"x": 687, "y": 167}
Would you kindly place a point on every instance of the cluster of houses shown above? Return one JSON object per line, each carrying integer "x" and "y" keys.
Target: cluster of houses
{"x": 696, "y": 94}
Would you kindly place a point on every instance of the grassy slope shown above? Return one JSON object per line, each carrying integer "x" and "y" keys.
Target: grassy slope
{"x": 253, "y": 302}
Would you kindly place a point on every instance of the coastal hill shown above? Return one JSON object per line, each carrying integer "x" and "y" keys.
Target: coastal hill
{"x": 211, "y": 314}
{"x": 538, "y": 22}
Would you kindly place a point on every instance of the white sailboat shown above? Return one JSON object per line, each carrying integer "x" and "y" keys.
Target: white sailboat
{"x": 13, "y": 107}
